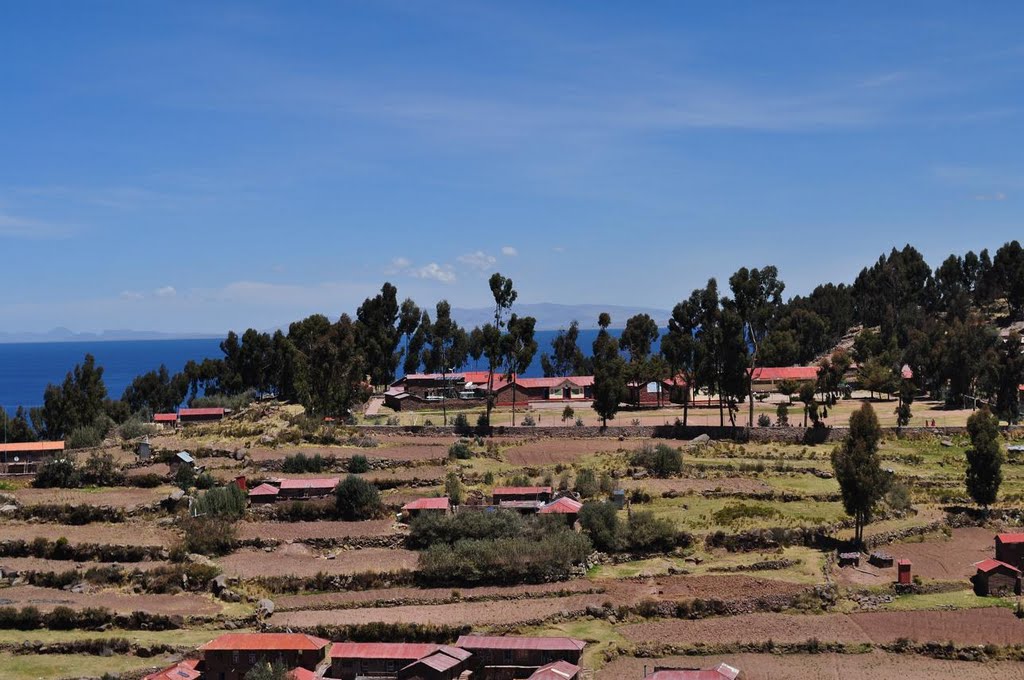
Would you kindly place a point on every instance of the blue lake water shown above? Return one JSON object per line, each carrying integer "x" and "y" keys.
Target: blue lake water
{"x": 27, "y": 368}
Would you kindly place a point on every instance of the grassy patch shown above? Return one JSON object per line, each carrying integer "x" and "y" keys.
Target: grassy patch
{"x": 599, "y": 635}
{"x": 35, "y": 667}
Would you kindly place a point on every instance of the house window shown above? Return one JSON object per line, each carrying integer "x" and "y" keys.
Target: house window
{"x": 252, "y": 658}
{"x": 234, "y": 657}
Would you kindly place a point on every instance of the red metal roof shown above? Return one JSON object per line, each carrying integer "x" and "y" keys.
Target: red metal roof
{"x": 991, "y": 564}
{"x": 439, "y": 661}
{"x": 310, "y": 483}
{"x": 428, "y": 504}
{"x": 785, "y": 373}
{"x": 186, "y": 670}
{"x": 201, "y": 412}
{"x": 165, "y": 417}
{"x": 561, "y": 644}
{"x": 264, "y": 490}
{"x": 19, "y": 447}
{"x": 559, "y": 670}
{"x": 246, "y": 642}
{"x": 382, "y": 650}
{"x": 1010, "y": 538}
{"x": 302, "y": 674}
{"x": 520, "y": 490}
{"x": 903, "y": 562}
{"x": 562, "y": 506}
{"x": 720, "y": 672}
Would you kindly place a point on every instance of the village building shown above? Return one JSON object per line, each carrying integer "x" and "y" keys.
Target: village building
{"x": 435, "y": 506}
{"x": 165, "y": 420}
{"x": 996, "y": 578}
{"x": 510, "y": 656}
{"x": 565, "y": 506}
{"x": 722, "y": 671}
{"x": 507, "y": 494}
{"x": 1010, "y": 549}
{"x": 558, "y": 670}
{"x": 447, "y": 663}
{"x": 200, "y": 415}
{"x": 350, "y": 660}
{"x": 179, "y": 459}
{"x": 264, "y": 493}
{"x": 303, "y": 489}
{"x": 23, "y": 458}
{"x": 767, "y": 378}
{"x": 231, "y": 656}
{"x": 185, "y": 670}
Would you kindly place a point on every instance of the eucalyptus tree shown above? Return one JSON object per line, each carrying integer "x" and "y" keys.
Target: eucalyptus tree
{"x": 757, "y": 297}
{"x": 519, "y": 347}
{"x": 447, "y": 346}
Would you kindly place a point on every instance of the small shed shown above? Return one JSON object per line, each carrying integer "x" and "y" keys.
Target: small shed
{"x": 565, "y": 506}
{"x": 849, "y": 559}
{"x": 1010, "y": 549}
{"x": 903, "y": 572}
{"x": 882, "y": 560}
{"x": 996, "y": 578}
{"x": 619, "y": 498}
{"x": 165, "y": 420}
{"x": 182, "y": 458}
{"x": 144, "y": 451}
{"x": 264, "y": 493}
{"x": 438, "y": 506}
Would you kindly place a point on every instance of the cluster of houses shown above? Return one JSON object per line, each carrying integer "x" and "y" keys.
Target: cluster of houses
{"x": 1002, "y": 575}
{"x": 472, "y": 657}
{"x": 186, "y": 416}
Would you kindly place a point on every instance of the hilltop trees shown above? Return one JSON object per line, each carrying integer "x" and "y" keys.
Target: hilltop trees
{"x": 446, "y": 348}
{"x": 518, "y": 349}
{"x": 380, "y": 326}
{"x": 640, "y": 333}
{"x": 680, "y": 348}
{"x": 757, "y": 296}
{"x": 858, "y": 469}
{"x": 78, "y": 402}
{"x": 984, "y": 458}
{"x": 156, "y": 391}
{"x": 568, "y": 358}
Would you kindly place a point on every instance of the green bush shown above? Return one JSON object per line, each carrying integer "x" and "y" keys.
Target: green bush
{"x": 84, "y": 437}
{"x": 764, "y": 420}
{"x": 135, "y": 427}
{"x": 300, "y": 463}
{"x": 461, "y": 423}
{"x": 432, "y": 529}
{"x": 460, "y": 450}
{"x": 661, "y": 460}
{"x": 185, "y": 477}
{"x": 357, "y": 499}
{"x": 58, "y": 473}
{"x": 225, "y": 501}
{"x": 601, "y": 522}
{"x": 209, "y": 536}
{"x": 736, "y": 512}
{"x": 586, "y": 483}
{"x": 358, "y": 464}
{"x": 100, "y": 469}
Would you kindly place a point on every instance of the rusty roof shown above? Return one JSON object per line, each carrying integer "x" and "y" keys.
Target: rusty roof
{"x": 165, "y": 417}
{"x": 722, "y": 671}
{"x": 264, "y": 490}
{"x": 519, "y": 490}
{"x": 1010, "y": 538}
{"x": 185, "y": 670}
{"x": 785, "y": 373}
{"x": 562, "y": 506}
{"x": 562, "y": 644}
{"x": 382, "y": 650}
{"x": 310, "y": 483}
{"x": 19, "y": 447}
{"x": 201, "y": 411}
{"x": 559, "y": 670}
{"x": 441, "y": 503}
{"x": 990, "y": 564}
{"x": 273, "y": 642}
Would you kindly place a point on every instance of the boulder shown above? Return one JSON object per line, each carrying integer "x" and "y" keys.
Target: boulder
{"x": 264, "y": 607}
{"x": 8, "y": 509}
{"x": 946, "y": 443}
{"x": 701, "y": 439}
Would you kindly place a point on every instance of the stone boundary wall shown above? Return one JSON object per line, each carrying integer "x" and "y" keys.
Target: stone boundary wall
{"x": 782, "y": 435}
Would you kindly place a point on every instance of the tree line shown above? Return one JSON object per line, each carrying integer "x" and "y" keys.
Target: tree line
{"x": 937, "y": 322}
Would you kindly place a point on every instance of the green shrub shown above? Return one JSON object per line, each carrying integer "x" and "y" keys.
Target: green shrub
{"x": 453, "y": 488}
{"x": 764, "y": 420}
{"x": 357, "y": 499}
{"x": 209, "y": 536}
{"x": 134, "y": 428}
{"x": 84, "y": 437}
{"x": 601, "y": 522}
{"x": 460, "y": 450}
{"x": 300, "y": 463}
{"x": 358, "y": 464}
{"x": 225, "y": 501}
{"x": 461, "y": 423}
{"x": 586, "y": 483}
{"x": 100, "y": 469}
{"x": 736, "y": 512}
{"x": 432, "y": 529}
{"x": 57, "y": 473}
{"x": 661, "y": 460}
{"x": 185, "y": 477}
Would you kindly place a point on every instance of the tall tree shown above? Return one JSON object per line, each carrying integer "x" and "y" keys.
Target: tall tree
{"x": 156, "y": 391}
{"x": 679, "y": 347}
{"x": 378, "y": 326}
{"x": 567, "y": 358}
{"x": 609, "y": 372}
{"x": 520, "y": 347}
{"x": 984, "y": 458}
{"x": 77, "y": 402}
{"x": 336, "y": 369}
{"x": 492, "y": 338}
{"x": 636, "y": 339}
{"x": 757, "y": 294}
{"x": 1003, "y": 377}
{"x": 447, "y": 346}
{"x": 16, "y": 429}
{"x": 858, "y": 469}
{"x": 1008, "y": 268}
{"x": 709, "y": 345}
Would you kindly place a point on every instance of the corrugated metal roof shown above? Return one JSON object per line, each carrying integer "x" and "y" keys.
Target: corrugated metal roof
{"x": 185, "y": 457}
{"x": 264, "y": 490}
{"x": 382, "y": 650}
{"x": 165, "y": 417}
{"x": 245, "y": 642}
{"x": 559, "y": 670}
{"x": 562, "y": 506}
{"x": 990, "y": 564}
{"x": 186, "y": 670}
{"x": 201, "y": 412}
{"x": 722, "y": 671}
{"x": 1011, "y": 538}
{"x": 520, "y": 490}
{"x": 785, "y": 373}
{"x": 310, "y": 483}
{"x": 428, "y": 504}
{"x": 439, "y": 661}
{"x": 18, "y": 447}
{"x": 302, "y": 674}
{"x": 561, "y": 644}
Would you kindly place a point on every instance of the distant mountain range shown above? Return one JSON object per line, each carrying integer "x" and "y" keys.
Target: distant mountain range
{"x": 550, "y": 317}
{"x": 67, "y": 335}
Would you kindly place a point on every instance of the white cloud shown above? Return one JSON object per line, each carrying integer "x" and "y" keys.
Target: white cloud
{"x": 509, "y": 251}
{"x": 436, "y": 272}
{"x": 165, "y": 291}
{"x": 398, "y": 265}
{"x": 23, "y": 227}
{"x": 131, "y": 295}
{"x": 478, "y": 260}
{"x": 558, "y": 249}
{"x": 997, "y": 196}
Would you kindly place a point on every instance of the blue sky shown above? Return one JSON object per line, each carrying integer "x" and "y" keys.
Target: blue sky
{"x": 198, "y": 166}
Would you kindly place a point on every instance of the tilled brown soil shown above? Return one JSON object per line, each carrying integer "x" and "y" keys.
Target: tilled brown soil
{"x": 298, "y": 531}
{"x": 125, "y": 533}
{"x": 656, "y": 487}
{"x": 675, "y": 588}
{"x": 871, "y": 666}
{"x": 550, "y": 451}
{"x": 470, "y": 613}
{"x": 936, "y": 558}
{"x": 385, "y": 595}
{"x": 964, "y": 627}
{"x": 22, "y": 564}
{"x": 295, "y": 560}
{"x": 45, "y": 599}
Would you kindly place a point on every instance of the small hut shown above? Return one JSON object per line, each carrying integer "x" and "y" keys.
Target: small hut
{"x": 996, "y": 578}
